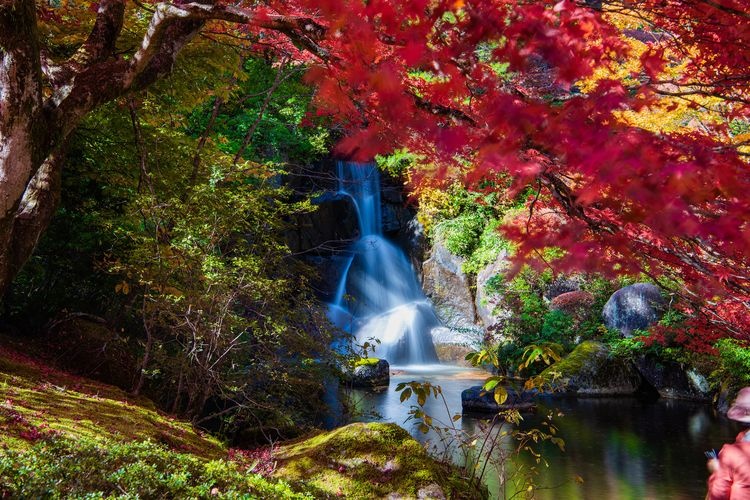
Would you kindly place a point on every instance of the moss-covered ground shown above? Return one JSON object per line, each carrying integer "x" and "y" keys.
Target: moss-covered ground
{"x": 64, "y": 436}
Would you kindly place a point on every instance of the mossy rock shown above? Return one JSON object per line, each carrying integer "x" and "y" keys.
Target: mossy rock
{"x": 368, "y": 460}
{"x": 592, "y": 370}
{"x": 370, "y": 373}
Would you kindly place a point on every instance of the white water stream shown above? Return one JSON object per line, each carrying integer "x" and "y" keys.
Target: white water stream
{"x": 378, "y": 295}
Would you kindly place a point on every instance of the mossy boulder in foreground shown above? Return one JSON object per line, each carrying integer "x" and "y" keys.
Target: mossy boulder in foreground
{"x": 374, "y": 460}
{"x": 591, "y": 370}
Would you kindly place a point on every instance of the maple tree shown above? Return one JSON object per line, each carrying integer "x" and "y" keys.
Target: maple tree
{"x": 481, "y": 89}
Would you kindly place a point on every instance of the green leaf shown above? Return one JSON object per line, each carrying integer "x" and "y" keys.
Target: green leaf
{"x": 491, "y": 383}
{"x": 405, "y": 395}
{"x": 421, "y": 396}
{"x": 501, "y": 395}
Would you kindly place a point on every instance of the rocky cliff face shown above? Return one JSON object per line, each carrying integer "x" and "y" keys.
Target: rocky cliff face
{"x": 449, "y": 288}
{"x": 488, "y": 303}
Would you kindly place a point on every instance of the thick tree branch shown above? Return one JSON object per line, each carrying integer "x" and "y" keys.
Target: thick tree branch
{"x": 99, "y": 46}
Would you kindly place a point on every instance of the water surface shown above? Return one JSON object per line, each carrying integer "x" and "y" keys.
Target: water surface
{"x": 621, "y": 448}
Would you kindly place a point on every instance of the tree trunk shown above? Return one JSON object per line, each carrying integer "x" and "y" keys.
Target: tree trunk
{"x": 38, "y": 114}
{"x": 29, "y": 181}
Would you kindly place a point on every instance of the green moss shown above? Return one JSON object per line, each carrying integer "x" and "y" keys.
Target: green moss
{"x": 35, "y": 396}
{"x": 366, "y": 362}
{"x": 366, "y": 461}
{"x": 591, "y": 369}
{"x": 64, "y": 436}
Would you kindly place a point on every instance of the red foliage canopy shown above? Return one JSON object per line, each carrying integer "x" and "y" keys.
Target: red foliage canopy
{"x": 487, "y": 89}
{"x": 426, "y": 75}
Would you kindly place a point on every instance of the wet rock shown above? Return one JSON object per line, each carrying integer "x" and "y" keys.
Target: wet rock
{"x": 672, "y": 380}
{"x": 453, "y": 354}
{"x": 488, "y": 303}
{"x": 414, "y": 242}
{"x": 468, "y": 337}
{"x": 635, "y": 307}
{"x": 449, "y": 288}
{"x": 477, "y": 400}
{"x": 371, "y": 373}
{"x": 591, "y": 370}
{"x": 328, "y": 229}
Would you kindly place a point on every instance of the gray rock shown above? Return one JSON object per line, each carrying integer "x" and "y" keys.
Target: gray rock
{"x": 635, "y": 307}
{"x": 448, "y": 287}
{"x": 488, "y": 304}
{"x": 372, "y": 376}
{"x": 561, "y": 285}
{"x": 431, "y": 492}
{"x": 590, "y": 370}
{"x": 673, "y": 381}
{"x": 476, "y": 400}
{"x": 414, "y": 242}
{"x": 469, "y": 337}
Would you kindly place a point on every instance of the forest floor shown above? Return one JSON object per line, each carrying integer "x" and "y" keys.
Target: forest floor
{"x": 62, "y": 435}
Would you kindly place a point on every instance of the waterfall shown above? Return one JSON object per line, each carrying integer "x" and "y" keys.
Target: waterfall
{"x": 378, "y": 295}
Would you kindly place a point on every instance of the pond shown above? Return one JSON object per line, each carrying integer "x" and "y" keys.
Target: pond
{"x": 619, "y": 448}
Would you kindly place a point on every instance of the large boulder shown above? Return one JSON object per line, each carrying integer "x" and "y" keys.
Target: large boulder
{"x": 488, "y": 303}
{"x": 446, "y": 284}
{"x": 477, "y": 400}
{"x": 371, "y": 373}
{"x": 591, "y": 370}
{"x": 635, "y": 307}
{"x": 673, "y": 380}
{"x": 367, "y": 461}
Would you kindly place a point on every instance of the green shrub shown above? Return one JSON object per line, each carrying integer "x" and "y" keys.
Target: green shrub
{"x": 62, "y": 468}
{"x": 461, "y": 235}
{"x": 733, "y": 372}
{"x": 557, "y": 327}
{"x": 489, "y": 246}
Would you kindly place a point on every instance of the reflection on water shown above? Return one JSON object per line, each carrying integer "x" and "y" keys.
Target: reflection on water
{"x": 622, "y": 448}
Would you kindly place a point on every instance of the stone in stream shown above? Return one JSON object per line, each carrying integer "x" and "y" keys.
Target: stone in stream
{"x": 371, "y": 373}
{"x": 635, "y": 307}
{"x": 477, "y": 400}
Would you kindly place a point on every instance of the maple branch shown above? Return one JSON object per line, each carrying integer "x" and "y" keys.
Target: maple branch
{"x": 441, "y": 110}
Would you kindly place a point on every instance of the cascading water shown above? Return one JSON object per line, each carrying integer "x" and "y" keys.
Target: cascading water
{"x": 378, "y": 296}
